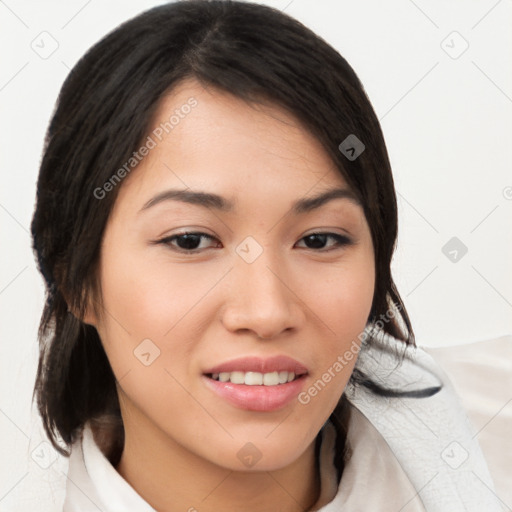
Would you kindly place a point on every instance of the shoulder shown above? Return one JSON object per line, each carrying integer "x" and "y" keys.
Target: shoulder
{"x": 92, "y": 482}
{"x": 411, "y": 401}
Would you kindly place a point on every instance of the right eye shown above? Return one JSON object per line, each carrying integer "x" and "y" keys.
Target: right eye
{"x": 188, "y": 242}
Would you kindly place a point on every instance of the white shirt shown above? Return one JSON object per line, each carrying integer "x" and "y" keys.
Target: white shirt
{"x": 407, "y": 454}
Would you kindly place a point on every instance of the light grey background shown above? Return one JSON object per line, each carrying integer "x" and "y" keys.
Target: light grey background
{"x": 446, "y": 113}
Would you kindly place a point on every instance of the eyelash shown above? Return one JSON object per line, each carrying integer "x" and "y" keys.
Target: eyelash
{"x": 341, "y": 241}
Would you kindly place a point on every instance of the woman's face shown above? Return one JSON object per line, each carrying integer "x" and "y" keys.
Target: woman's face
{"x": 200, "y": 342}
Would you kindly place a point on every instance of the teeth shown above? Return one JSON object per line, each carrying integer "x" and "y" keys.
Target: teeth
{"x": 271, "y": 379}
{"x": 255, "y": 378}
{"x": 238, "y": 377}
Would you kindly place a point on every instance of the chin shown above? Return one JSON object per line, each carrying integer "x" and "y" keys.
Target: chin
{"x": 264, "y": 453}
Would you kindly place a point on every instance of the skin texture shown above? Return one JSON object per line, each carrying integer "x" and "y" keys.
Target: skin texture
{"x": 213, "y": 306}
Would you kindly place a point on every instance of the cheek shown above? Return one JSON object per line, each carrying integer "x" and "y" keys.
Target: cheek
{"x": 145, "y": 312}
{"x": 342, "y": 295}
{"x": 152, "y": 300}
{"x": 349, "y": 305}
{"x": 149, "y": 297}
{"x": 343, "y": 309}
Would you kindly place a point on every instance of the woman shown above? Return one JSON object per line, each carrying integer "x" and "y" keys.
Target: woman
{"x": 215, "y": 222}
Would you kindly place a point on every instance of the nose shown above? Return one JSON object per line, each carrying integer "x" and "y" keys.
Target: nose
{"x": 262, "y": 300}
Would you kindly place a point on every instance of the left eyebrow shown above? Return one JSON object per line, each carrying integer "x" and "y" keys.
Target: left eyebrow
{"x": 312, "y": 203}
{"x": 210, "y": 200}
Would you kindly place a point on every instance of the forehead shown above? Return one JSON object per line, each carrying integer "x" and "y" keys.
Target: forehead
{"x": 207, "y": 139}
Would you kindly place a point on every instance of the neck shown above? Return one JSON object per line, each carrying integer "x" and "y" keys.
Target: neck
{"x": 171, "y": 479}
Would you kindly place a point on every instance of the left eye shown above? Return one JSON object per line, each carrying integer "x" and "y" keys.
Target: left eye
{"x": 318, "y": 240}
{"x": 190, "y": 242}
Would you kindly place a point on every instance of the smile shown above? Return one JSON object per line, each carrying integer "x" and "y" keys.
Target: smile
{"x": 256, "y": 383}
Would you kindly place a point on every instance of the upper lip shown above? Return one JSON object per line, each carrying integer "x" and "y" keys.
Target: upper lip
{"x": 260, "y": 364}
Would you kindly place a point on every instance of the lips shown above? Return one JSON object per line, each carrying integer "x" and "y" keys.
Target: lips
{"x": 259, "y": 365}
{"x": 257, "y": 384}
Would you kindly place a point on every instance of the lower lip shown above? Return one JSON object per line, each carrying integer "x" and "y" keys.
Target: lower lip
{"x": 257, "y": 398}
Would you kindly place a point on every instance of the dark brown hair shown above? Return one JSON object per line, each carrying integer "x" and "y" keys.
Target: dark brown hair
{"x": 103, "y": 112}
